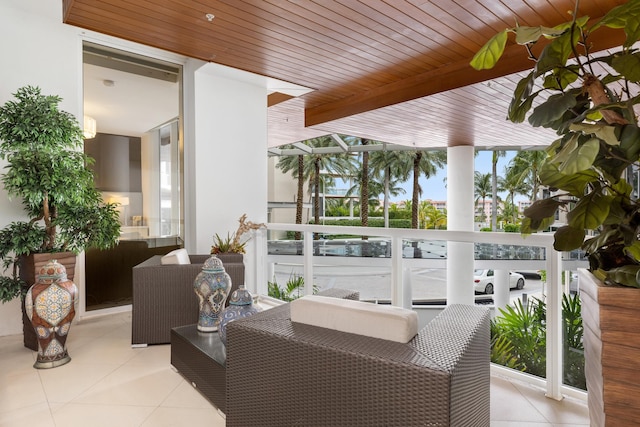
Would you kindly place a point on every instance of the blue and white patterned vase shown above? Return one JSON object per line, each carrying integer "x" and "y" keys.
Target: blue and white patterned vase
{"x": 212, "y": 286}
{"x": 50, "y": 306}
{"x": 240, "y": 305}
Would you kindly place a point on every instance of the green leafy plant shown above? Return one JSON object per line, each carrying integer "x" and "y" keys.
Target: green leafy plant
{"x": 589, "y": 99}
{"x": 292, "y": 289}
{"x": 47, "y": 170}
{"x": 519, "y": 336}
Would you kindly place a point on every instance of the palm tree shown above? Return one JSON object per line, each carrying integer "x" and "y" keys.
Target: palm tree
{"x": 421, "y": 162}
{"x": 527, "y": 164}
{"x": 494, "y": 187}
{"x": 296, "y": 165}
{"x": 389, "y": 163}
{"x": 482, "y": 188}
{"x": 364, "y": 187}
{"x": 309, "y": 167}
{"x": 514, "y": 182}
{"x": 432, "y": 217}
{"x": 336, "y": 164}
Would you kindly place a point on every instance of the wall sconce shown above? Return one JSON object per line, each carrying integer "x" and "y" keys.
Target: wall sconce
{"x": 89, "y": 128}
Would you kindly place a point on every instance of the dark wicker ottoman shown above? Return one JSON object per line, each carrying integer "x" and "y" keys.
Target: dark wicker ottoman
{"x": 200, "y": 358}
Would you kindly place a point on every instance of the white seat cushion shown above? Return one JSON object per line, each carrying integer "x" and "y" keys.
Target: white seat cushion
{"x": 356, "y": 317}
{"x": 178, "y": 256}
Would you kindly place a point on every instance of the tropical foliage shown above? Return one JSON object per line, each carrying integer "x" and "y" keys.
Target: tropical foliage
{"x": 590, "y": 100}
{"x": 293, "y": 289}
{"x": 518, "y": 339}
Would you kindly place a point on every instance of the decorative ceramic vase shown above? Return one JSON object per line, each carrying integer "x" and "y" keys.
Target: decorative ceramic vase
{"x": 212, "y": 286}
{"x": 240, "y": 305}
{"x": 50, "y": 306}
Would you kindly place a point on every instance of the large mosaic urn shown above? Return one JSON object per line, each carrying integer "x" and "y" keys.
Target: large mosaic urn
{"x": 50, "y": 306}
{"x": 212, "y": 286}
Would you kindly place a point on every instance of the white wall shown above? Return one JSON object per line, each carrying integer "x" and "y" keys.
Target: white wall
{"x": 225, "y": 122}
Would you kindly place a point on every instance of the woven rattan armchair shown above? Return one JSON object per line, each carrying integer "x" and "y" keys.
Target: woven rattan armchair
{"x": 281, "y": 373}
{"x": 163, "y": 296}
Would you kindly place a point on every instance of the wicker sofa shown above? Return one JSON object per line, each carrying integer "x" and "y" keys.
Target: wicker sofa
{"x": 163, "y": 296}
{"x": 281, "y": 373}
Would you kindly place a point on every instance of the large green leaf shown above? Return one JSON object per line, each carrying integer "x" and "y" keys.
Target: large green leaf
{"x": 561, "y": 77}
{"x": 627, "y": 275}
{"x": 608, "y": 235}
{"x": 489, "y": 54}
{"x": 529, "y": 225}
{"x": 574, "y": 184}
{"x": 565, "y": 152}
{"x": 630, "y": 142}
{"x": 633, "y": 250}
{"x": 568, "y": 238}
{"x": 526, "y": 35}
{"x": 626, "y": 16}
{"x": 605, "y": 132}
{"x": 544, "y": 208}
{"x": 580, "y": 158}
{"x": 627, "y": 64}
{"x": 552, "y": 109}
{"x": 556, "y": 53}
{"x": 590, "y": 211}
{"x": 522, "y": 99}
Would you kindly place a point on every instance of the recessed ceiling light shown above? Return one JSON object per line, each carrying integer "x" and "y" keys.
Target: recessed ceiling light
{"x": 209, "y": 16}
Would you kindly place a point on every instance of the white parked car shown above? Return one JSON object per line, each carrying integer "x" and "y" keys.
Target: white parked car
{"x": 483, "y": 281}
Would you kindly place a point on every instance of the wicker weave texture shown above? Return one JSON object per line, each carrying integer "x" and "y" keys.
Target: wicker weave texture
{"x": 284, "y": 374}
{"x": 163, "y": 297}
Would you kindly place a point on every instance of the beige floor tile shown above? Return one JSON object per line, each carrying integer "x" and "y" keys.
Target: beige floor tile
{"x": 65, "y": 383}
{"x": 186, "y": 396}
{"x": 108, "y": 350}
{"x": 179, "y": 417}
{"x": 38, "y": 415}
{"x": 159, "y": 355}
{"x": 507, "y": 404}
{"x": 518, "y": 424}
{"x": 566, "y": 411}
{"x": 133, "y": 385}
{"x": 21, "y": 389}
{"x": 84, "y": 415}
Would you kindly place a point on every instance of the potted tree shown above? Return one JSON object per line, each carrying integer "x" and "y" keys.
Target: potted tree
{"x": 591, "y": 100}
{"x": 46, "y": 169}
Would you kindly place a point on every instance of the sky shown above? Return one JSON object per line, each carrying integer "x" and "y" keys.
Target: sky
{"x": 435, "y": 188}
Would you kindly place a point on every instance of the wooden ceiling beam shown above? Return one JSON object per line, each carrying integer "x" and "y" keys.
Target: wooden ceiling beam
{"x": 452, "y": 76}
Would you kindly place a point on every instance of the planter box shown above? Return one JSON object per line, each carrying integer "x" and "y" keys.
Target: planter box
{"x": 612, "y": 351}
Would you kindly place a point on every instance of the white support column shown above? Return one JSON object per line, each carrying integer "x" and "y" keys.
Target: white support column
{"x": 554, "y": 324}
{"x": 396, "y": 272}
{"x": 308, "y": 263}
{"x": 261, "y": 276}
{"x": 460, "y": 256}
{"x": 501, "y": 289}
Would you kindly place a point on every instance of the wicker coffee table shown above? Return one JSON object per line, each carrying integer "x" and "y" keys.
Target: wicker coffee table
{"x": 200, "y": 358}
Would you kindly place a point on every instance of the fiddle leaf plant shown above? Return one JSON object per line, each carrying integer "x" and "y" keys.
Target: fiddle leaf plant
{"x": 47, "y": 171}
{"x": 590, "y": 99}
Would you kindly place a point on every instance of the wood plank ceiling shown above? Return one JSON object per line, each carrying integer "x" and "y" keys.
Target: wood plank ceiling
{"x": 390, "y": 70}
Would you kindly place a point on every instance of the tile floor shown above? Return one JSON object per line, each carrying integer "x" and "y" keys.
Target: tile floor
{"x": 108, "y": 383}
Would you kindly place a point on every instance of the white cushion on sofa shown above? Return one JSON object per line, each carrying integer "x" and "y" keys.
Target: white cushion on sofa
{"x": 356, "y": 317}
{"x": 178, "y": 256}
